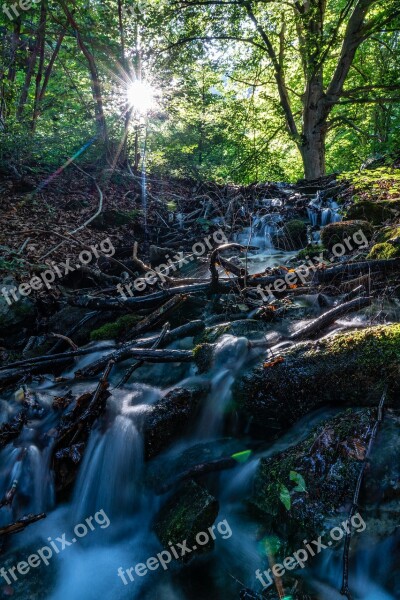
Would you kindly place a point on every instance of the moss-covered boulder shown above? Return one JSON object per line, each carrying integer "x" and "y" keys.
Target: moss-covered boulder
{"x": 384, "y": 251}
{"x": 293, "y": 236}
{"x": 336, "y": 233}
{"x": 306, "y": 489}
{"x": 171, "y": 417}
{"x": 376, "y": 212}
{"x": 345, "y": 370}
{"x": 190, "y": 511}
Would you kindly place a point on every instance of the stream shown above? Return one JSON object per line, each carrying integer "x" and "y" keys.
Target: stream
{"x": 113, "y": 471}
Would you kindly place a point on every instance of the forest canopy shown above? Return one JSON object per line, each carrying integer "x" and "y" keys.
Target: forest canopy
{"x": 229, "y": 90}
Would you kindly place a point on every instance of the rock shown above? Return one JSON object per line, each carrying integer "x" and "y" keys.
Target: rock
{"x": 168, "y": 467}
{"x": 170, "y": 418}
{"x": 328, "y": 461}
{"x": 315, "y": 374}
{"x": 190, "y": 511}
{"x": 16, "y": 314}
{"x": 293, "y": 236}
{"x": 375, "y": 212}
{"x": 39, "y": 583}
{"x": 335, "y": 233}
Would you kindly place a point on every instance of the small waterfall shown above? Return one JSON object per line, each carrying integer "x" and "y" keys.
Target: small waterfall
{"x": 322, "y": 212}
{"x": 109, "y": 477}
{"x": 230, "y": 355}
{"x": 261, "y": 232}
{"x": 39, "y": 475}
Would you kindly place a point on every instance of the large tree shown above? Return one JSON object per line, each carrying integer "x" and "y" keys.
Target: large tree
{"x": 310, "y": 47}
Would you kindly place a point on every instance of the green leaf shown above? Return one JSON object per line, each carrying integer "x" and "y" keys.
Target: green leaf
{"x": 299, "y": 479}
{"x": 284, "y": 496}
{"x": 242, "y": 457}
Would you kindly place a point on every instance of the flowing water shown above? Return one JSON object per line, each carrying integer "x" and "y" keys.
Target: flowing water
{"x": 111, "y": 476}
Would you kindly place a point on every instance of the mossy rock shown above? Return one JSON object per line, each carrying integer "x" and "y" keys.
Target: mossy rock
{"x": 191, "y": 510}
{"x": 384, "y": 251}
{"x": 346, "y": 369}
{"x": 336, "y": 233}
{"x": 375, "y": 212}
{"x": 293, "y": 236}
{"x": 115, "y": 329}
{"x": 329, "y": 462}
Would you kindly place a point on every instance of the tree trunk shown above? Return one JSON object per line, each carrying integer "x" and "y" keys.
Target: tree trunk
{"x": 313, "y": 153}
{"x": 312, "y": 145}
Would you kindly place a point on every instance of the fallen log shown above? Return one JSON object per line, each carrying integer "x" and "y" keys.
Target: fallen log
{"x": 122, "y": 353}
{"x": 155, "y": 317}
{"x": 329, "y": 317}
{"x": 344, "y": 270}
{"x": 143, "y": 354}
{"x": 140, "y": 363}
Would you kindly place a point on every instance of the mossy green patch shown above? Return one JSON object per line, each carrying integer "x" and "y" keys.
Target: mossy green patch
{"x": 115, "y": 329}
{"x": 384, "y": 251}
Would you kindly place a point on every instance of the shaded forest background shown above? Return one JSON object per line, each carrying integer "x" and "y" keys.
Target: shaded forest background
{"x": 234, "y": 85}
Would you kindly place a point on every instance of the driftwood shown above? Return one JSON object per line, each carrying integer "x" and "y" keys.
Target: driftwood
{"x": 20, "y": 525}
{"x": 155, "y": 317}
{"x": 124, "y": 352}
{"x": 329, "y": 317}
{"x": 140, "y": 363}
{"x": 345, "y": 591}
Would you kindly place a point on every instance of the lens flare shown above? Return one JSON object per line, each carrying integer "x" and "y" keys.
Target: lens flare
{"x": 140, "y": 96}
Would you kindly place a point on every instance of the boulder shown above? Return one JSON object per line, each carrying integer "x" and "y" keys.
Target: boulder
{"x": 335, "y": 233}
{"x": 347, "y": 369}
{"x": 191, "y": 510}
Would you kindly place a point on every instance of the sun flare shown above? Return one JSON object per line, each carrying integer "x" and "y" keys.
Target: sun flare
{"x": 140, "y": 96}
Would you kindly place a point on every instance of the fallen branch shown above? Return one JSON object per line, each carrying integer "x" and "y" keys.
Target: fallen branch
{"x": 329, "y": 317}
{"x": 124, "y": 352}
{"x": 20, "y": 525}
